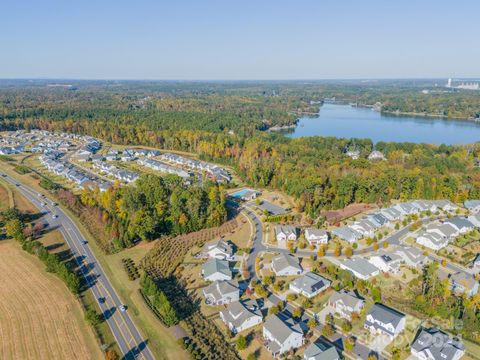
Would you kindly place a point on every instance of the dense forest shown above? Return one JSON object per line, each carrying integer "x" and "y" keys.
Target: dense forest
{"x": 198, "y": 117}
{"x": 157, "y": 206}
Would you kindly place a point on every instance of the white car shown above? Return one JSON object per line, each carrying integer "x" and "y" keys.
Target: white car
{"x": 54, "y": 216}
{"x": 123, "y": 308}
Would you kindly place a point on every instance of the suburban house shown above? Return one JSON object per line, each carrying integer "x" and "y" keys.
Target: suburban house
{"x": 432, "y": 240}
{"x": 285, "y": 233}
{"x": 364, "y": 227}
{"x": 321, "y": 350}
{"x": 445, "y": 230}
{"x": 249, "y": 195}
{"x": 412, "y": 256}
{"x": 376, "y": 155}
{"x": 345, "y": 304}
{"x": 472, "y": 205}
{"x": 347, "y": 234}
{"x": 286, "y": 265}
{"x": 309, "y": 285}
{"x": 475, "y": 220}
{"x": 241, "y": 315}
{"x": 424, "y": 205}
{"x": 460, "y": 282}
{"x": 434, "y": 344}
{"x": 221, "y": 292}
{"x": 384, "y": 321}
{"x": 216, "y": 269}
{"x": 445, "y": 205}
{"x": 378, "y": 219}
{"x": 354, "y": 154}
{"x": 219, "y": 249}
{"x": 406, "y": 208}
{"x": 391, "y": 213}
{"x": 360, "y": 268}
{"x": 386, "y": 262}
{"x": 282, "y": 335}
{"x": 462, "y": 224}
{"x": 315, "y": 237}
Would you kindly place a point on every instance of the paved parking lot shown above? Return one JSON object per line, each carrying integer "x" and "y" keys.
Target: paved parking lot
{"x": 271, "y": 208}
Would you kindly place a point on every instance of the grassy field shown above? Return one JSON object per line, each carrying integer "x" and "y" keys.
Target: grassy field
{"x": 40, "y": 318}
{"x": 160, "y": 339}
{"x": 5, "y": 197}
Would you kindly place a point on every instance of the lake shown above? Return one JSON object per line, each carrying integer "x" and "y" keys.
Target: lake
{"x": 352, "y": 122}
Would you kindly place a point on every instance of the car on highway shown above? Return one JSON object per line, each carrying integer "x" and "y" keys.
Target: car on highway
{"x": 44, "y": 203}
{"x": 101, "y": 300}
{"x": 3, "y": 175}
{"x": 123, "y": 308}
{"x": 53, "y": 203}
{"x": 54, "y": 216}
{"x": 17, "y": 184}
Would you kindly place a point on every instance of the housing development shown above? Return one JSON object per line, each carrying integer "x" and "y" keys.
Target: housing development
{"x": 325, "y": 291}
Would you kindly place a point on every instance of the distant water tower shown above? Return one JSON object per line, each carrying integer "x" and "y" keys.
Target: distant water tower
{"x": 449, "y": 82}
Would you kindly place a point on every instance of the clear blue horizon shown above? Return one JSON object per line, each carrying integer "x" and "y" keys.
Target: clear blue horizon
{"x": 248, "y": 40}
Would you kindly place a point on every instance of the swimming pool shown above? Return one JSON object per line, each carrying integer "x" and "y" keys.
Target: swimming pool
{"x": 238, "y": 194}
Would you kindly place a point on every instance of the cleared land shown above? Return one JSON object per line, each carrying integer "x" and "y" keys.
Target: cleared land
{"x": 39, "y": 318}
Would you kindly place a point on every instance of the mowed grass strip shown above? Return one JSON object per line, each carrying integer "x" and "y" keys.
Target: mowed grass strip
{"x": 40, "y": 318}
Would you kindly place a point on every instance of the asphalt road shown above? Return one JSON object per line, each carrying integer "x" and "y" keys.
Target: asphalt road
{"x": 129, "y": 340}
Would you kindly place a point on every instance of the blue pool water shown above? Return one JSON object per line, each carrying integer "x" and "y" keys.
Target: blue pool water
{"x": 240, "y": 193}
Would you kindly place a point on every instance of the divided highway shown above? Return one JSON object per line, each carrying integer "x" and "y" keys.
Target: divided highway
{"x": 128, "y": 337}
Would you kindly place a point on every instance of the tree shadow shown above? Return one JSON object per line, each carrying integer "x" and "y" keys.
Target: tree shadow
{"x": 107, "y": 314}
{"x": 135, "y": 351}
{"x": 184, "y": 302}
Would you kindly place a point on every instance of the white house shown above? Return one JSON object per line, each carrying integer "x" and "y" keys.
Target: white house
{"x": 445, "y": 230}
{"x": 434, "y": 344}
{"x": 475, "y": 220}
{"x": 221, "y": 292}
{"x": 321, "y": 350}
{"x": 219, "y": 249}
{"x": 286, "y": 265}
{"x": 462, "y": 224}
{"x": 241, "y": 315}
{"x": 412, "y": 256}
{"x": 285, "y": 233}
{"x": 376, "y": 155}
{"x": 383, "y": 320}
{"x": 360, "y": 268}
{"x": 216, "y": 270}
{"x": 386, "y": 262}
{"x": 315, "y": 237}
{"x": 432, "y": 240}
{"x": 282, "y": 335}
{"x": 309, "y": 285}
{"x": 473, "y": 206}
{"x": 345, "y": 304}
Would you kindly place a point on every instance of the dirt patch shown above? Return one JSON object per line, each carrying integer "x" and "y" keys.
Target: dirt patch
{"x": 334, "y": 216}
{"x": 40, "y": 319}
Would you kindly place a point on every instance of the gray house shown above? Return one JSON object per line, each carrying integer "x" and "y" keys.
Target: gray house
{"x": 221, "y": 292}
{"x": 286, "y": 265}
{"x": 321, "y": 350}
{"x": 384, "y": 321}
{"x": 241, "y": 315}
{"x": 282, "y": 335}
{"x": 434, "y": 344}
{"x": 309, "y": 285}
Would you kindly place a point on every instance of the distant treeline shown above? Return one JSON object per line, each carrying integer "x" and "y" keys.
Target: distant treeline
{"x": 314, "y": 170}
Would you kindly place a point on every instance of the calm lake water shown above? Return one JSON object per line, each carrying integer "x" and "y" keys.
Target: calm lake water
{"x": 351, "y": 122}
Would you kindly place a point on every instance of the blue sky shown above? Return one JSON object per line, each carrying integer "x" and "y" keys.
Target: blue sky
{"x": 229, "y": 39}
